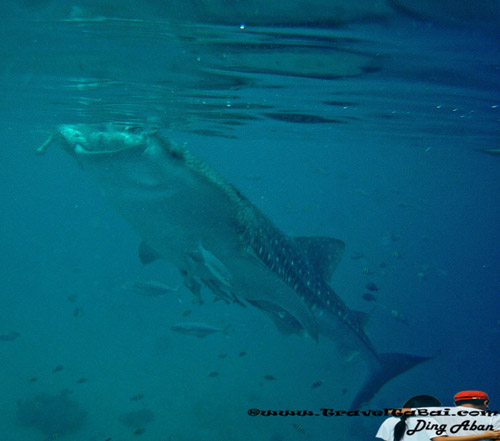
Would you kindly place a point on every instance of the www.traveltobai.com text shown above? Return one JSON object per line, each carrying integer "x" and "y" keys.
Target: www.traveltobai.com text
{"x": 367, "y": 413}
{"x": 320, "y": 412}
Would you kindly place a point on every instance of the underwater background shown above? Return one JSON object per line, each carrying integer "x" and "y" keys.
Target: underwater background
{"x": 375, "y": 123}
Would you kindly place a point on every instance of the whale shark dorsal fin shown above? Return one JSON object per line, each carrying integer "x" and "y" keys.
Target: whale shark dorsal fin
{"x": 323, "y": 253}
{"x": 147, "y": 254}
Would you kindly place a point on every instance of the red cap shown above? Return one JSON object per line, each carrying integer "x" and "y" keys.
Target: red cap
{"x": 471, "y": 395}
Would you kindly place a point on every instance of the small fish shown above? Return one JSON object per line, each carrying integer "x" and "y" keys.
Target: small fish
{"x": 136, "y": 397}
{"x": 399, "y": 316}
{"x": 492, "y": 152}
{"x": 58, "y": 368}
{"x": 421, "y": 275}
{"x": 223, "y": 355}
{"x": 77, "y": 311}
{"x": 357, "y": 256}
{"x": 369, "y": 297}
{"x": 65, "y": 392}
{"x": 344, "y": 391}
{"x": 269, "y": 377}
{"x": 139, "y": 431}
{"x": 299, "y": 428}
{"x": 187, "y": 312}
{"x": 33, "y": 379}
{"x": 213, "y": 374}
{"x": 72, "y": 298}
{"x": 199, "y": 330}
{"x": 395, "y": 237}
{"x": 150, "y": 288}
{"x": 316, "y": 384}
{"x": 52, "y": 437}
{"x": 370, "y": 286}
{"x": 9, "y": 336}
{"x": 242, "y": 354}
{"x": 81, "y": 380}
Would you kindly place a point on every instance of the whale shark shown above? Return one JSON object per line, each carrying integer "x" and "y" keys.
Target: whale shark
{"x": 186, "y": 213}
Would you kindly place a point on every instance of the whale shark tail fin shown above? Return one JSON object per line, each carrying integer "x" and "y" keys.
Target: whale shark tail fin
{"x": 390, "y": 366}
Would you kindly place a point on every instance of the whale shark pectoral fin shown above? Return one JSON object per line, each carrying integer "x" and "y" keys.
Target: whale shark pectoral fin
{"x": 285, "y": 323}
{"x": 362, "y": 317}
{"x": 41, "y": 150}
{"x": 147, "y": 254}
{"x": 269, "y": 292}
{"x": 323, "y": 253}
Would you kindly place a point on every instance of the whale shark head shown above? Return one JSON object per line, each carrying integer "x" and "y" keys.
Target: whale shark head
{"x": 102, "y": 140}
{"x": 128, "y": 160}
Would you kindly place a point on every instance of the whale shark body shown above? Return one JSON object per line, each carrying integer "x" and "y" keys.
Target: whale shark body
{"x": 186, "y": 213}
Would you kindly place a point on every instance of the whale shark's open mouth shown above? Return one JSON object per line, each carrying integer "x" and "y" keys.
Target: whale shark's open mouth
{"x": 105, "y": 140}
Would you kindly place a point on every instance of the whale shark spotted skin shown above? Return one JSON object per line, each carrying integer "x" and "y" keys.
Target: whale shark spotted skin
{"x": 187, "y": 214}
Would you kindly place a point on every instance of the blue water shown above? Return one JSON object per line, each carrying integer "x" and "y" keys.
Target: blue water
{"x": 395, "y": 171}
